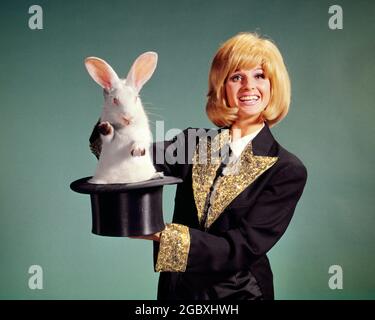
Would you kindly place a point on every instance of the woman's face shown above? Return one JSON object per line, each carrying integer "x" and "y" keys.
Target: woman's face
{"x": 249, "y": 90}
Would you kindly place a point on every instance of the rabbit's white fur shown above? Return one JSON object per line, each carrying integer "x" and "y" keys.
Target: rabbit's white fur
{"x": 125, "y": 155}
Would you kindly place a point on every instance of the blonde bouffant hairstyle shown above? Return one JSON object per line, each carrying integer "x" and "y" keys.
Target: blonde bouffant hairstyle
{"x": 245, "y": 51}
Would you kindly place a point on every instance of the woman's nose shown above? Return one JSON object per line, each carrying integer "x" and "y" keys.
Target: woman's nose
{"x": 248, "y": 84}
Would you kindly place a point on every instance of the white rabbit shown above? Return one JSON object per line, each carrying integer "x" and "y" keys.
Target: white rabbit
{"x": 124, "y": 128}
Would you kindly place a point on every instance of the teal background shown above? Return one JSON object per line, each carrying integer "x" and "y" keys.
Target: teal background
{"x": 49, "y": 106}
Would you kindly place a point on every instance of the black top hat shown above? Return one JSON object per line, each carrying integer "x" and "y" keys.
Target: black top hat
{"x": 129, "y": 209}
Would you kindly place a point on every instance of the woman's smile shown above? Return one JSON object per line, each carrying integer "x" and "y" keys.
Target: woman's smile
{"x": 248, "y": 99}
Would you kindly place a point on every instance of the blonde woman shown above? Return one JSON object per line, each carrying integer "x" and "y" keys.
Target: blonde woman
{"x": 234, "y": 206}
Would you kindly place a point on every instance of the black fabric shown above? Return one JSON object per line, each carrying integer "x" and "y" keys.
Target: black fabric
{"x": 229, "y": 261}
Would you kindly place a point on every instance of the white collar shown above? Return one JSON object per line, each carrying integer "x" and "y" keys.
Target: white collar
{"x": 239, "y": 145}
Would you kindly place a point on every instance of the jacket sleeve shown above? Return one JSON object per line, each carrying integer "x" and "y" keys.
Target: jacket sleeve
{"x": 170, "y": 156}
{"x": 95, "y": 141}
{"x": 184, "y": 249}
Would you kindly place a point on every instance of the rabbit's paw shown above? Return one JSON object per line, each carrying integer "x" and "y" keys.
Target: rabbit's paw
{"x": 138, "y": 150}
{"x": 158, "y": 175}
{"x": 105, "y": 128}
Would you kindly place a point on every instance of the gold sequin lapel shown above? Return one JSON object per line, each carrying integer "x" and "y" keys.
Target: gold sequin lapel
{"x": 242, "y": 174}
{"x": 205, "y": 166}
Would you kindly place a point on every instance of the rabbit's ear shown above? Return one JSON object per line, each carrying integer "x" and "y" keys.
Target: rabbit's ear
{"x": 101, "y": 72}
{"x": 142, "y": 70}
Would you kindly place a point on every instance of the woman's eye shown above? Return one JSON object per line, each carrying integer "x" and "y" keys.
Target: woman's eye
{"x": 236, "y": 78}
{"x": 260, "y": 76}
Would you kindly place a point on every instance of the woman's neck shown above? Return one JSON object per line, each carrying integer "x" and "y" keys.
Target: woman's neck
{"x": 243, "y": 128}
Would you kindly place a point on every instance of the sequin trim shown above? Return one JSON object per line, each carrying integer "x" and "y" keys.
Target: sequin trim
{"x": 205, "y": 167}
{"x": 240, "y": 175}
{"x": 174, "y": 249}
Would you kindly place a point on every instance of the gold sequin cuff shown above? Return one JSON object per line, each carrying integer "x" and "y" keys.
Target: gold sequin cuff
{"x": 174, "y": 249}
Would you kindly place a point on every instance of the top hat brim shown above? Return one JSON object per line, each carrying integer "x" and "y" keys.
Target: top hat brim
{"x": 128, "y": 209}
{"x": 83, "y": 186}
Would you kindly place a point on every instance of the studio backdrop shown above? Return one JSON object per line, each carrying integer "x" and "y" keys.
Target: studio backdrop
{"x": 49, "y": 105}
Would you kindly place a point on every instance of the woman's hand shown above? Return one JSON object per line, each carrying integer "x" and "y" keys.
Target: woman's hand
{"x": 154, "y": 237}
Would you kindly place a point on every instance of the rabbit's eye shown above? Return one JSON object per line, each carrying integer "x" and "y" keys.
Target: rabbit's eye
{"x": 116, "y": 101}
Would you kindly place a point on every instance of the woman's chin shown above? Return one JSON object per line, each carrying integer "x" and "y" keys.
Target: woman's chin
{"x": 245, "y": 112}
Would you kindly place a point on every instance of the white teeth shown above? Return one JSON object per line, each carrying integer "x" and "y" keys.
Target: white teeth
{"x": 249, "y": 98}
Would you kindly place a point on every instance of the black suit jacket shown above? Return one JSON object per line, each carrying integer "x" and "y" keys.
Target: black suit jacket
{"x": 225, "y": 258}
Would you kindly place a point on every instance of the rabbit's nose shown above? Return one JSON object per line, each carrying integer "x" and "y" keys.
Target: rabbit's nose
{"x": 126, "y": 120}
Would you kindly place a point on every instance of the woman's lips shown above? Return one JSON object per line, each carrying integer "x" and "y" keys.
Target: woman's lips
{"x": 249, "y": 100}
